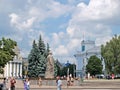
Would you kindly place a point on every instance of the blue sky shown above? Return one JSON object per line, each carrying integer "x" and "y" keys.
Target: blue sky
{"x": 62, "y": 23}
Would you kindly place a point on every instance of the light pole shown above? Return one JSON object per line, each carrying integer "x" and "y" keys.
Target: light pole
{"x": 68, "y": 72}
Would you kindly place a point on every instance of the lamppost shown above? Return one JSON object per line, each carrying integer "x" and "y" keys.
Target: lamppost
{"x": 68, "y": 72}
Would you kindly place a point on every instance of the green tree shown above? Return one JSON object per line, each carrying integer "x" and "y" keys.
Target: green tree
{"x": 42, "y": 56}
{"x": 6, "y": 52}
{"x": 111, "y": 55}
{"x": 71, "y": 67}
{"x": 41, "y": 46}
{"x": 94, "y": 65}
{"x": 33, "y": 61}
{"x": 37, "y": 58}
{"x": 41, "y": 65}
{"x": 36, "y": 62}
{"x": 58, "y": 68}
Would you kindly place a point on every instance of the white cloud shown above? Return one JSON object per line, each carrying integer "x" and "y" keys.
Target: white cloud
{"x": 89, "y": 21}
{"x": 24, "y": 52}
{"x": 92, "y": 21}
{"x": 99, "y": 10}
{"x": 61, "y": 51}
{"x": 55, "y": 39}
{"x": 14, "y": 18}
{"x": 35, "y": 12}
{"x": 57, "y": 9}
{"x": 102, "y": 40}
{"x": 73, "y": 44}
{"x": 28, "y": 23}
{"x": 16, "y": 21}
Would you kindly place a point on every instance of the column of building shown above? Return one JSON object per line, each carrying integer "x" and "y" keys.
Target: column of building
{"x": 20, "y": 69}
{"x": 7, "y": 70}
{"x": 13, "y": 69}
{"x": 10, "y": 73}
{"x": 17, "y": 69}
{"x": 14, "y": 73}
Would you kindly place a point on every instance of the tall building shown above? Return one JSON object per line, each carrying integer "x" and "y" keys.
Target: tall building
{"x": 88, "y": 49}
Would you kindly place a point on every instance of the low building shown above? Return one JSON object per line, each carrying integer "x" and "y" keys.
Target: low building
{"x": 14, "y": 68}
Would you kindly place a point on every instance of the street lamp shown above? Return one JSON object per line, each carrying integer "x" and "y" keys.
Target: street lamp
{"x": 68, "y": 72}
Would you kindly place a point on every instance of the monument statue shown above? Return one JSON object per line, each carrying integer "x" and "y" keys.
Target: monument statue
{"x": 49, "y": 74}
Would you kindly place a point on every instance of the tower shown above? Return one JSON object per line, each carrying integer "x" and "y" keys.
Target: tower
{"x": 85, "y": 45}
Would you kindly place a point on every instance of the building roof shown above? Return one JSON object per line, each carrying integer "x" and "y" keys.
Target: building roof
{"x": 93, "y": 50}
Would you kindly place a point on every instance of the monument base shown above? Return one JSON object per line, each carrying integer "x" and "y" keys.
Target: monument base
{"x": 49, "y": 76}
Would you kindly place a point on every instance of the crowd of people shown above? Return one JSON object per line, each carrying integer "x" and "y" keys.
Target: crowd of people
{"x": 9, "y": 83}
{"x": 12, "y": 84}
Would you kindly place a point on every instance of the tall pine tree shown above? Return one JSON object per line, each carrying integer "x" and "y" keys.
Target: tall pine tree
{"x": 33, "y": 61}
{"x": 41, "y": 65}
{"x": 37, "y": 59}
{"x": 41, "y": 46}
{"x": 41, "y": 56}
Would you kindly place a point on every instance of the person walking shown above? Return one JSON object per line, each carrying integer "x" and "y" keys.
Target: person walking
{"x": 68, "y": 81}
{"x": 12, "y": 83}
{"x": 4, "y": 84}
{"x": 59, "y": 83}
{"x": 26, "y": 84}
{"x": 40, "y": 81}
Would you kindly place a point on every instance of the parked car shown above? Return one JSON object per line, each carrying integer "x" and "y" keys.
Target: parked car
{"x": 117, "y": 76}
{"x": 108, "y": 77}
{"x": 99, "y": 76}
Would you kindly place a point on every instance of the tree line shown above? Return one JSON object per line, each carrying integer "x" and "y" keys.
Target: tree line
{"x": 37, "y": 58}
{"x": 6, "y": 52}
{"x": 110, "y": 54}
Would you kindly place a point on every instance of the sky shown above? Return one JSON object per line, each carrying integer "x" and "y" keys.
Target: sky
{"x": 62, "y": 23}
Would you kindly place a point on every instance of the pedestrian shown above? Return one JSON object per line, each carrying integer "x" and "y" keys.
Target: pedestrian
{"x": 72, "y": 81}
{"x": 26, "y": 84}
{"x": 12, "y": 83}
{"x": 68, "y": 81}
{"x": 59, "y": 83}
{"x": 40, "y": 81}
{"x": 113, "y": 76}
{"x": 4, "y": 84}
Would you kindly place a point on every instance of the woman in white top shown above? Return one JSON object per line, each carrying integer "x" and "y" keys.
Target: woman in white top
{"x": 59, "y": 83}
{"x": 27, "y": 84}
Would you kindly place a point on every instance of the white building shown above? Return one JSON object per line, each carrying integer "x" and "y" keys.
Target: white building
{"x": 14, "y": 68}
{"x": 88, "y": 49}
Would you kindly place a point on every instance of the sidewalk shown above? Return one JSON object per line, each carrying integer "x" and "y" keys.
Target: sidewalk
{"x": 99, "y": 83}
{"x": 87, "y": 84}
